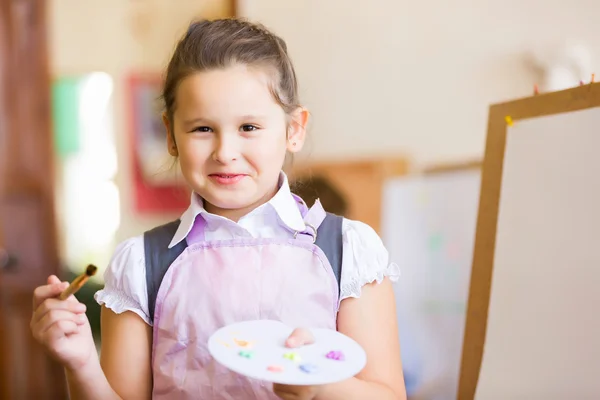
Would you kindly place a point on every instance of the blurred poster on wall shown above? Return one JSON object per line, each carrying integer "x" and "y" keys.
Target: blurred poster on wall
{"x": 157, "y": 181}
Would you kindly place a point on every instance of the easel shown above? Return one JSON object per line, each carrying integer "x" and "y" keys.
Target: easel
{"x": 429, "y": 221}
{"x": 501, "y": 116}
{"x": 453, "y": 167}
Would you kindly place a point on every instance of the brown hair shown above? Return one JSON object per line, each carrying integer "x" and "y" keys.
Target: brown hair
{"x": 311, "y": 188}
{"x": 221, "y": 43}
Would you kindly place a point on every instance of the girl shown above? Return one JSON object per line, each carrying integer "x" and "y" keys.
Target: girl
{"x": 246, "y": 248}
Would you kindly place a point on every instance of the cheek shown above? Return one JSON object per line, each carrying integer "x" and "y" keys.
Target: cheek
{"x": 268, "y": 150}
{"x": 193, "y": 156}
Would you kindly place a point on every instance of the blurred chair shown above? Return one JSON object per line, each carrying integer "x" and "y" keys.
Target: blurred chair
{"x": 352, "y": 188}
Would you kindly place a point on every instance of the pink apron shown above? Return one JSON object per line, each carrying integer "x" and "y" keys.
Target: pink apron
{"x": 216, "y": 283}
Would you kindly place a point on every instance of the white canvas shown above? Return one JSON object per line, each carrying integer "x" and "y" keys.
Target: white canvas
{"x": 543, "y": 328}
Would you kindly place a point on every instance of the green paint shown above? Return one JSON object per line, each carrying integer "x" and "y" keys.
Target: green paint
{"x": 436, "y": 241}
{"x": 292, "y": 356}
{"x": 246, "y": 354}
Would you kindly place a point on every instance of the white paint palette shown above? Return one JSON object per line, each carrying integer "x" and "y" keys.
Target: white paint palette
{"x": 257, "y": 350}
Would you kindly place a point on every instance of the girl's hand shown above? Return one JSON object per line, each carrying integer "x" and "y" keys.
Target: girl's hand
{"x": 299, "y": 337}
{"x": 62, "y": 326}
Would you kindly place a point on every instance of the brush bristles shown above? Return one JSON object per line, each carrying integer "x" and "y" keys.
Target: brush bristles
{"x": 91, "y": 270}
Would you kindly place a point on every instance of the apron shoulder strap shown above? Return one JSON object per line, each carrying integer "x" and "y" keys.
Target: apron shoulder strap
{"x": 329, "y": 240}
{"x": 159, "y": 258}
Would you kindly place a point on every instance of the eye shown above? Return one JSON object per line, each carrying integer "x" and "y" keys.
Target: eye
{"x": 249, "y": 128}
{"x": 202, "y": 129}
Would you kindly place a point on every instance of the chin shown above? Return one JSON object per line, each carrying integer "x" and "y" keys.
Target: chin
{"x": 229, "y": 201}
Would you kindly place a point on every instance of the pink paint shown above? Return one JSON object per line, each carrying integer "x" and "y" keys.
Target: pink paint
{"x": 275, "y": 368}
{"x": 335, "y": 355}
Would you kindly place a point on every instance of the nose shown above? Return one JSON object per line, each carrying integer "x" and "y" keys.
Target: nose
{"x": 226, "y": 149}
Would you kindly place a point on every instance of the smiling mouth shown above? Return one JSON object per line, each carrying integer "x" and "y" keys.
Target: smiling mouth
{"x": 226, "y": 179}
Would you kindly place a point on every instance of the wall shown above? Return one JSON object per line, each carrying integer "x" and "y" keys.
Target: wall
{"x": 120, "y": 37}
{"x": 393, "y": 76}
{"x": 388, "y": 77}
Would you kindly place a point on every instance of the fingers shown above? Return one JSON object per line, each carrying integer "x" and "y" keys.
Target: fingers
{"x": 291, "y": 392}
{"x": 284, "y": 392}
{"x": 54, "y": 320}
{"x": 56, "y": 331}
{"x": 61, "y": 318}
{"x": 56, "y": 323}
{"x": 53, "y": 305}
{"x": 300, "y": 337}
{"x": 53, "y": 316}
{"x": 53, "y": 279}
{"x": 52, "y": 289}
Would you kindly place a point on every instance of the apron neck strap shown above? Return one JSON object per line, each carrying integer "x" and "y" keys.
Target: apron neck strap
{"x": 313, "y": 218}
{"x": 196, "y": 234}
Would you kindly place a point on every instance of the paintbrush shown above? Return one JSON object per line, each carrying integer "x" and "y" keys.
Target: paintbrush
{"x": 78, "y": 282}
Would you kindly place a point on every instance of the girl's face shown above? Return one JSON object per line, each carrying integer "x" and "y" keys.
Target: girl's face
{"x": 231, "y": 138}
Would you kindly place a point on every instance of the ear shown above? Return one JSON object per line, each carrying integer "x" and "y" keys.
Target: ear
{"x": 297, "y": 130}
{"x": 171, "y": 145}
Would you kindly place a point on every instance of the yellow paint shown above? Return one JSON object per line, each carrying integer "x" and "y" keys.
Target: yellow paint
{"x": 243, "y": 343}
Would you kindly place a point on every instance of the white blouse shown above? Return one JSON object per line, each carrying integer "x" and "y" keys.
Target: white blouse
{"x": 364, "y": 260}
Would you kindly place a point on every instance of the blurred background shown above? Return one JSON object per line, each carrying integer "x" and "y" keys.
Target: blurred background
{"x": 399, "y": 93}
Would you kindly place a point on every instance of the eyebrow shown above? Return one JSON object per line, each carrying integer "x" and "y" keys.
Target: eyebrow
{"x": 249, "y": 116}
{"x": 194, "y": 121}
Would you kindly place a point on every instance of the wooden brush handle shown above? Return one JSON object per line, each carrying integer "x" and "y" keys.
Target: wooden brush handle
{"x": 74, "y": 287}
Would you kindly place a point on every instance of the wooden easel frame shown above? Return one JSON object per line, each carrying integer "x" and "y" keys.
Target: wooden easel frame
{"x": 575, "y": 99}
{"x": 452, "y": 167}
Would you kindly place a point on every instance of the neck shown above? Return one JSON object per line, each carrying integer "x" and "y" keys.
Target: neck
{"x": 234, "y": 214}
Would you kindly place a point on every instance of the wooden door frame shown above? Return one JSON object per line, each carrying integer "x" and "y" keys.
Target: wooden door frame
{"x": 27, "y": 187}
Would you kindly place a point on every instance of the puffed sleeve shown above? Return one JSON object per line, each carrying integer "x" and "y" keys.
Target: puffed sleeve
{"x": 365, "y": 259}
{"x": 125, "y": 280}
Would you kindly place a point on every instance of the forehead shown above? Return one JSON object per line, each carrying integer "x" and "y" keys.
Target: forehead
{"x": 232, "y": 91}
